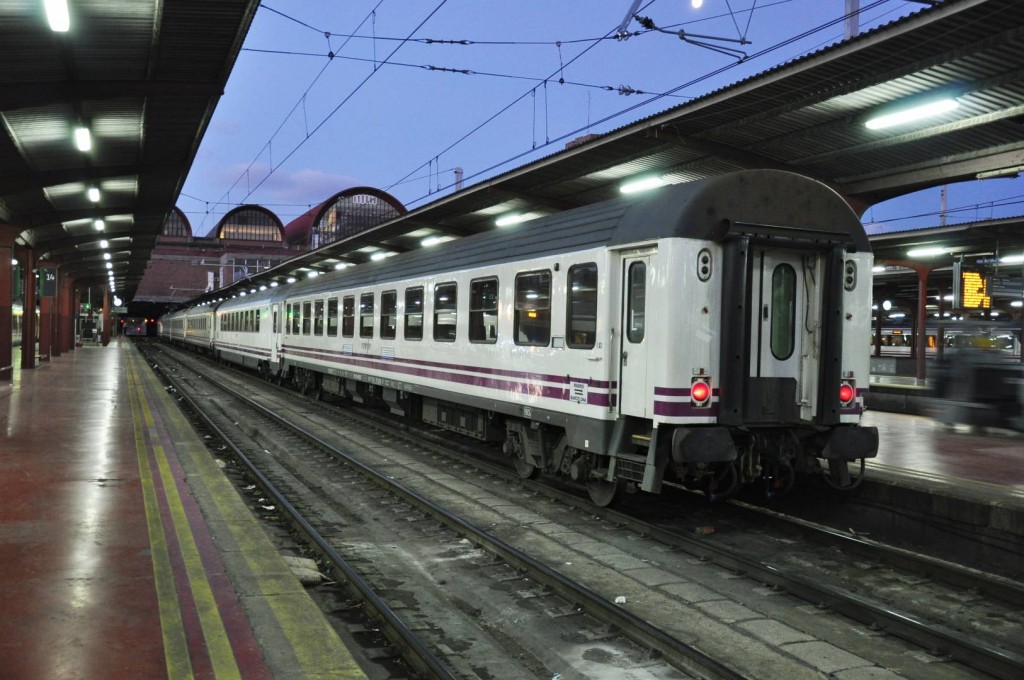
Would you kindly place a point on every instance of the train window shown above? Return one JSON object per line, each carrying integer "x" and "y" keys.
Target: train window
{"x": 637, "y": 303}
{"x": 318, "y": 318}
{"x": 446, "y": 299}
{"x": 332, "y": 317}
{"x": 366, "y": 315}
{"x": 389, "y": 314}
{"x": 296, "y": 318}
{"x": 783, "y": 330}
{"x": 348, "y": 316}
{"x": 581, "y": 324}
{"x": 483, "y": 310}
{"x": 532, "y": 321}
{"x": 274, "y": 327}
{"x": 307, "y": 317}
{"x": 414, "y": 313}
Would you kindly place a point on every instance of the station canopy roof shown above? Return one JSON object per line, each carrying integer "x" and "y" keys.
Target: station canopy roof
{"x": 806, "y": 116}
{"x": 148, "y": 96}
{"x": 143, "y": 78}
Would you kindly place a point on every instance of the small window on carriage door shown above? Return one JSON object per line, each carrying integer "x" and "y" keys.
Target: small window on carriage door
{"x": 783, "y": 331}
{"x": 348, "y": 318}
{"x": 332, "y": 317}
{"x": 637, "y": 301}
{"x": 366, "y": 315}
{"x": 307, "y": 317}
{"x": 318, "y": 316}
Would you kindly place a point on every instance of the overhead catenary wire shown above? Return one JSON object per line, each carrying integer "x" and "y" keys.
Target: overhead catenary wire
{"x": 573, "y": 133}
{"x": 302, "y": 98}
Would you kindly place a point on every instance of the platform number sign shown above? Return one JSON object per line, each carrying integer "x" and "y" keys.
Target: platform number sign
{"x": 48, "y": 282}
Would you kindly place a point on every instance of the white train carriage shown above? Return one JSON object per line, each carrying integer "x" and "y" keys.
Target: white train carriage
{"x": 172, "y": 327}
{"x": 197, "y": 323}
{"x": 246, "y": 329}
{"x": 712, "y": 333}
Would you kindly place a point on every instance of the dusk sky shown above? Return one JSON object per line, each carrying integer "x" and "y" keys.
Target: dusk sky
{"x": 395, "y": 110}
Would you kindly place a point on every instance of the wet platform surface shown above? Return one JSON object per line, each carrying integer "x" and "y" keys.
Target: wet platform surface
{"x": 125, "y": 551}
{"x": 988, "y": 460}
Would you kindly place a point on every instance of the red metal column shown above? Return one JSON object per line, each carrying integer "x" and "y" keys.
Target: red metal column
{"x": 6, "y": 290}
{"x": 76, "y": 307}
{"x": 922, "y": 319}
{"x": 57, "y": 344}
{"x": 67, "y": 317}
{"x": 106, "y": 316}
{"x": 46, "y": 304}
{"x": 28, "y": 318}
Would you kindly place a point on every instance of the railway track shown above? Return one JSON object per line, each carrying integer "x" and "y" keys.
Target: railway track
{"x": 974, "y": 594}
{"x": 629, "y": 646}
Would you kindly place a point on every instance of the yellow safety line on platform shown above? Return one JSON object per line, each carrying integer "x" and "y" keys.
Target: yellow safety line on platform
{"x": 316, "y": 645}
{"x": 176, "y": 656}
{"x": 218, "y": 644}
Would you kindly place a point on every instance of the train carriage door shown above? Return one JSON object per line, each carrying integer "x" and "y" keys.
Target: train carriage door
{"x": 785, "y": 301}
{"x": 633, "y": 389}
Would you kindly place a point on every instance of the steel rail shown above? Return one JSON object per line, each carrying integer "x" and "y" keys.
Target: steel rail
{"x": 677, "y": 652}
{"x": 415, "y": 652}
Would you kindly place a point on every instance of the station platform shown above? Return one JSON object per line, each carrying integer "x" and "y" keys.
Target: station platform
{"x": 126, "y": 553}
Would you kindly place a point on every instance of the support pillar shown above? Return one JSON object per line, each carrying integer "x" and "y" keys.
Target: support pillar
{"x": 7, "y": 236}
{"x": 76, "y": 306}
{"x": 47, "y": 309}
{"x": 922, "y": 320}
{"x": 28, "y": 318}
{"x": 66, "y": 321}
{"x": 106, "y": 316}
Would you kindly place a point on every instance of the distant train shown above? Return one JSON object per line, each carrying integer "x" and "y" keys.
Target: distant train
{"x": 134, "y": 326}
{"x": 710, "y": 334}
{"x": 897, "y": 340}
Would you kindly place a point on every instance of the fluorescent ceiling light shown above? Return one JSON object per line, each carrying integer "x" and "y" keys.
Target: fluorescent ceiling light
{"x": 376, "y": 257}
{"x": 291, "y": 279}
{"x": 926, "y": 252}
{"x": 341, "y": 265}
{"x": 878, "y": 269}
{"x": 432, "y": 241}
{"x": 509, "y": 220}
{"x": 1012, "y": 259}
{"x": 100, "y": 225}
{"x": 106, "y": 256}
{"x": 312, "y": 275}
{"x": 104, "y": 243}
{"x": 913, "y": 113}
{"x": 110, "y": 265}
{"x": 643, "y": 184}
{"x": 273, "y": 284}
{"x": 83, "y": 140}
{"x": 1017, "y": 303}
{"x": 57, "y": 15}
{"x": 94, "y": 194}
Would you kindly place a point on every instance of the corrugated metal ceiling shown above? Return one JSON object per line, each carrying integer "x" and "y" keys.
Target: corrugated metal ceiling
{"x": 144, "y": 77}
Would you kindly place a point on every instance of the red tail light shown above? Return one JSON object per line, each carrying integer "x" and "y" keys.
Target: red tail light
{"x": 700, "y": 392}
{"x": 847, "y": 393}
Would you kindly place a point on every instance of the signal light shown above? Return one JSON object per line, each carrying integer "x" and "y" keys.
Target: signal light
{"x": 700, "y": 392}
{"x": 847, "y": 393}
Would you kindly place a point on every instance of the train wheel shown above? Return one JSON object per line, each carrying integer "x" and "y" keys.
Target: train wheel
{"x": 602, "y": 492}
{"x": 524, "y": 468}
